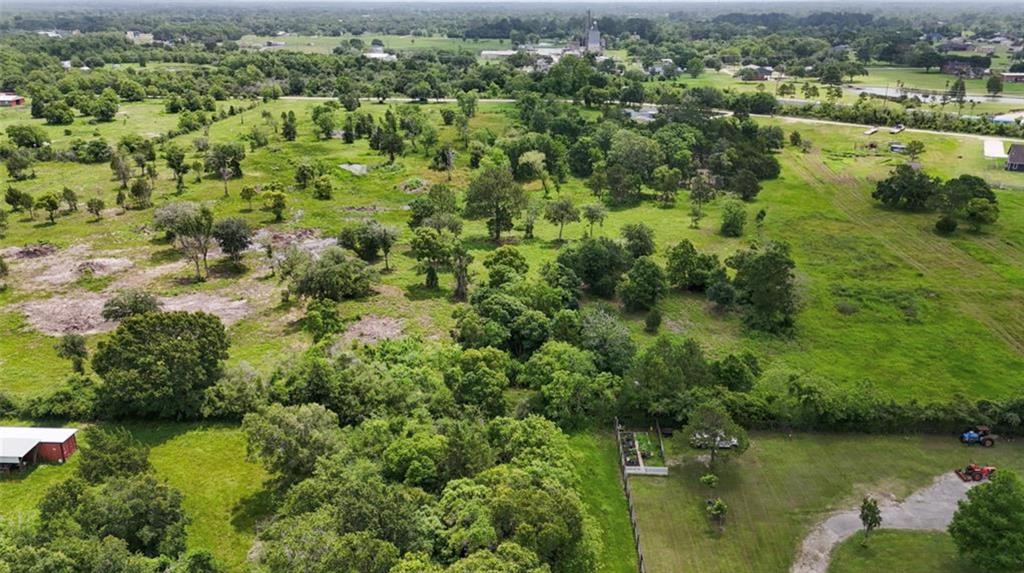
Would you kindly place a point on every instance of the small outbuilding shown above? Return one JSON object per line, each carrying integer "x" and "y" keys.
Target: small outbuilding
{"x": 1015, "y": 157}
{"x": 11, "y": 100}
{"x": 22, "y": 446}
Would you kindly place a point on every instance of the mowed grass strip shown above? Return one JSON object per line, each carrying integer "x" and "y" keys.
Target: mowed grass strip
{"x": 903, "y": 551}
{"x": 779, "y": 489}
{"x": 598, "y": 460}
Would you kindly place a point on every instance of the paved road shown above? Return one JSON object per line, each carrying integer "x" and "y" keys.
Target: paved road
{"x": 931, "y": 508}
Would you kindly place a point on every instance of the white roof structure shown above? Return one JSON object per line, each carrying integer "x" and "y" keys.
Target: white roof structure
{"x": 10, "y": 97}
{"x": 17, "y": 441}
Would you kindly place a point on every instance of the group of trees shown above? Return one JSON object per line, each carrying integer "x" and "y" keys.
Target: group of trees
{"x": 966, "y": 198}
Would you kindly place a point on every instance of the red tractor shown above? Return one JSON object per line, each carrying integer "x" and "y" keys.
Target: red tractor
{"x": 974, "y": 472}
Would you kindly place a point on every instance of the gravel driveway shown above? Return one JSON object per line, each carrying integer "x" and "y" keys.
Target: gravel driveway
{"x": 929, "y": 508}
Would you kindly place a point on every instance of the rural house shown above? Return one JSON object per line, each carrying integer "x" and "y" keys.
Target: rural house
{"x": 21, "y": 446}
{"x": 1015, "y": 158}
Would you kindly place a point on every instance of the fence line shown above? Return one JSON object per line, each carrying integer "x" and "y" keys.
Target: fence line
{"x": 624, "y": 477}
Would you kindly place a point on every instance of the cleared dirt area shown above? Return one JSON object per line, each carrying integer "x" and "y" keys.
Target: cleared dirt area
{"x": 370, "y": 329}
{"x": 931, "y": 508}
{"x": 47, "y": 266}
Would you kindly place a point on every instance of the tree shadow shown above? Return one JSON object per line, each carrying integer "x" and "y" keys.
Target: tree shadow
{"x": 227, "y": 268}
{"x": 419, "y": 291}
{"x": 162, "y": 256}
{"x": 252, "y": 509}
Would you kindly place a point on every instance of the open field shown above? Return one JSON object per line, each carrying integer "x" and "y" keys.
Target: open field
{"x": 877, "y": 77}
{"x": 783, "y": 485}
{"x": 923, "y": 306}
{"x": 223, "y": 492}
{"x": 326, "y": 44}
{"x": 918, "y": 78}
{"x": 905, "y": 551}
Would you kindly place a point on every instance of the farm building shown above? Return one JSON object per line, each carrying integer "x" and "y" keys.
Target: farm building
{"x": 1013, "y": 77}
{"x": 11, "y": 100}
{"x": 20, "y": 446}
{"x": 1015, "y": 158}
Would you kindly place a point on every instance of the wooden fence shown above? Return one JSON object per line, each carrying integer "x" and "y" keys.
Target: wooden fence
{"x": 624, "y": 478}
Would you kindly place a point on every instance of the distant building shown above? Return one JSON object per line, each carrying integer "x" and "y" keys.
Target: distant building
{"x": 1013, "y": 77}
{"x": 21, "y": 446}
{"x": 755, "y": 73}
{"x": 592, "y": 45}
{"x": 497, "y": 54}
{"x": 377, "y": 53}
{"x": 643, "y": 115}
{"x": 11, "y": 100}
{"x": 970, "y": 68}
{"x": 1015, "y": 158}
{"x": 139, "y": 37}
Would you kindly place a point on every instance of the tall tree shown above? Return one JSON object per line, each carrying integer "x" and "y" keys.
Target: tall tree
{"x": 495, "y": 196}
{"x": 157, "y": 364}
{"x": 987, "y": 527}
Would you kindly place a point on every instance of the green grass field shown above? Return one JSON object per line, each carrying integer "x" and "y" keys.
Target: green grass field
{"x": 326, "y": 44}
{"x": 780, "y": 487}
{"x": 904, "y": 551}
{"x": 224, "y": 493}
{"x": 918, "y": 78}
{"x": 924, "y": 306}
{"x": 598, "y": 460}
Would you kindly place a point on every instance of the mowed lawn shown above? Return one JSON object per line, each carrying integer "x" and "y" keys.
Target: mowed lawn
{"x": 918, "y": 78}
{"x": 224, "y": 495}
{"x": 780, "y": 488}
{"x": 903, "y": 551}
{"x": 601, "y": 488}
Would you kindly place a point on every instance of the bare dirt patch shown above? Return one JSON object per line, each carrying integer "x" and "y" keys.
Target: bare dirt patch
{"x": 371, "y": 328}
{"x": 228, "y": 310}
{"x": 308, "y": 240}
{"x": 80, "y": 312}
{"x": 77, "y": 314}
{"x": 45, "y": 265}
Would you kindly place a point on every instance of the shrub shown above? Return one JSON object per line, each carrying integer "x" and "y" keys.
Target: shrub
{"x": 129, "y": 303}
{"x": 734, "y": 219}
{"x": 652, "y": 322}
{"x": 946, "y": 225}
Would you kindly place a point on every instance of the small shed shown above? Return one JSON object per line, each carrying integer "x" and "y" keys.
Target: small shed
{"x": 21, "y": 446}
{"x": 11, "y": 100}
{"x": 1015, "y": 157}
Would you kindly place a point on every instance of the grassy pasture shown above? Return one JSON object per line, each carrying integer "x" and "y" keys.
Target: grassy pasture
{"x": 781, "y": 486}
{"x": 917, "y": 309}
{"x": 918, "y": 78}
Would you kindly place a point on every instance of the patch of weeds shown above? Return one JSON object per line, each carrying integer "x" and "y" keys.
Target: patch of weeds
{"x": 90, "y": 282}
{"x": 908, "y": 304}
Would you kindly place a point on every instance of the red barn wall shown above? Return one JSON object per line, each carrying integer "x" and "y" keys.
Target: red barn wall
{"x": 54, "y": 452}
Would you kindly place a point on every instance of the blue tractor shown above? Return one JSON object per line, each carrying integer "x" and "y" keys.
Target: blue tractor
{"x": 978, "y": 435}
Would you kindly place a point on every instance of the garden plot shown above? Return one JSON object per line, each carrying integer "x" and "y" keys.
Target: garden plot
{"x": 641, "y": 452}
